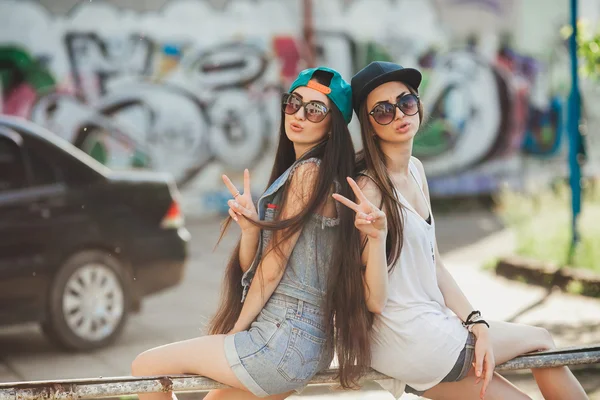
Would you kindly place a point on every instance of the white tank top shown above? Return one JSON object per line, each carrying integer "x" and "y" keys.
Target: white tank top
{"x": 416, "y": 339}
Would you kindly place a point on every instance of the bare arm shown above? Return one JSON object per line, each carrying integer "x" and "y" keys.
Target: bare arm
{"x": 372, "y": 225}
{"x": 242, "y": 210}
{"x": 374, "y": 256}
{"x": 454, "y": 297}
{"x": 272, "y": 266}
{"x": 248, "y": 248}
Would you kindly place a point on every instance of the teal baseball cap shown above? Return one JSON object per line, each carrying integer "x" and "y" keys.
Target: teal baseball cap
{"x": 339, "y": 91}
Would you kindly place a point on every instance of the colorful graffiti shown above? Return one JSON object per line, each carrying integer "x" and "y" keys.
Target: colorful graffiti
{"x": 146, "y": 120}
{"x": 147, "y": 98}
{"x": 168, "y": 117}
{"x": 193, "y": 90}
{"x": 490, "y": 107}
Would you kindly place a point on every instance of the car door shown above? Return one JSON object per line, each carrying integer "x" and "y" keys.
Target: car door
{"x": 27, "y": 230}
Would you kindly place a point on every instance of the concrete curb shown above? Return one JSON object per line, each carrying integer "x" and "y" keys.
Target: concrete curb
{"x": 548, "y": 274}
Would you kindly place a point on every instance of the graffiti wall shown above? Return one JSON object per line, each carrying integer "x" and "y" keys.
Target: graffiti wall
{"x": 192, "y": 88}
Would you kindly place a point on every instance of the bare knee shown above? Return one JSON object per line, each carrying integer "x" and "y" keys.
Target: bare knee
{"x": 141, "y": 365}
{"x": 544, "y": 339}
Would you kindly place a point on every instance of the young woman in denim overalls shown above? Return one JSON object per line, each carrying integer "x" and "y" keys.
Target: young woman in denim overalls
{"x": 294, "y": 268}
{"x": 426, "y": 335}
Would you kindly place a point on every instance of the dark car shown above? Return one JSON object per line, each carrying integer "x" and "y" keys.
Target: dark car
{"x": 80, "y": 244}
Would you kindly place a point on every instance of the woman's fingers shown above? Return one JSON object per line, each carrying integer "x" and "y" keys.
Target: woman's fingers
{"x": 377, "y": 214}
{"x": 238, "y": 208}
{"x": 364, "y": 216}
{"x": 489, "y": 374}
{"x": 230, "y": 186}
{"x": 348, "y": 203}
{"x": 479, "y": 353}
{"x": 232, "y": 215}
{"x": 356, "y": 189}
{"x": 247, "y": 182}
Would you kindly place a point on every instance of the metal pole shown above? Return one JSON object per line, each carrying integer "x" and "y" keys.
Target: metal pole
{"x": 94, "y": 388}
{"x": 309, "y": 33}
{"x": 573, "y": 129}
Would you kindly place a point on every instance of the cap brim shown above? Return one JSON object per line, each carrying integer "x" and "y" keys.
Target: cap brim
{"x": 410, "y": 76}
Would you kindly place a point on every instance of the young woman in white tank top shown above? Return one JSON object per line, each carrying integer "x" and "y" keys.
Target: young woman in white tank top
{"x": 426, "y": 335}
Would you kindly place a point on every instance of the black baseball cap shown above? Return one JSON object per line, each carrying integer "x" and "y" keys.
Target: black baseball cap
{"x": 378, "y": 73}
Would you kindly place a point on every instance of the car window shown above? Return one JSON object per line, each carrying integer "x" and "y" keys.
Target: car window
{"x": 12, "y": 169}
{"x": 43, "y": 171}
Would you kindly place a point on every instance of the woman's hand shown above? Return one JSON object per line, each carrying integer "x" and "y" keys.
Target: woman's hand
{"x": 241, "y": 207}
{"x": 369, "y": 219}
{"x": 484, "y": 357}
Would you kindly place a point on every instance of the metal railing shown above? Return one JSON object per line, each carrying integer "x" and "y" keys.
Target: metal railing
{"x": 127, "y": 385}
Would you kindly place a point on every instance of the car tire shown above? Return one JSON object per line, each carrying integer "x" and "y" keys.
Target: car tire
{"x": 89, "y": 301}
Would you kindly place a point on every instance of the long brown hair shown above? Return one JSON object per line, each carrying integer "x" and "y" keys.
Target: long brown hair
{"x": 347, "y": 318}
{"x": 372, "y": 161}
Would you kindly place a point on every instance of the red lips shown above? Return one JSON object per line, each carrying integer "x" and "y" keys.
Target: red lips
{"x": 296, "y": 127}
{"x": 403, "y": 127}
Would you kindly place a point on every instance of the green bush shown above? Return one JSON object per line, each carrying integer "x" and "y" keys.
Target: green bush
{"x": 542, "y": 223}
{"x": 588, "y": 48}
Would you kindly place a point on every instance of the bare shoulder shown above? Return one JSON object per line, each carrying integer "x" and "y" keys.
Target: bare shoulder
{"x": 307, "y": 169}
{"x": 303, "y": 180}
{"x": 370, "y": 189}
{"x": 420, "y": 167}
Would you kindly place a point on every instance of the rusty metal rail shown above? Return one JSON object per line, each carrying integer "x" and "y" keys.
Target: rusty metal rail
{"x": 120, "y": 386}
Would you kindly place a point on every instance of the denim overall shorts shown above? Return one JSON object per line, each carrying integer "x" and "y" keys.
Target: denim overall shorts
{"x": 287, "y": 344}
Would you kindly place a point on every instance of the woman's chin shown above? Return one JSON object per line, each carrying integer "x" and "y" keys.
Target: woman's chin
{"x": 302, "y": 140}
{"x": 400, "y": 137}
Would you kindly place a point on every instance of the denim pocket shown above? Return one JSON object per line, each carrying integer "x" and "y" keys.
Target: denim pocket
{"x": 302, "y": 356}
{"x": 264, "y": 329}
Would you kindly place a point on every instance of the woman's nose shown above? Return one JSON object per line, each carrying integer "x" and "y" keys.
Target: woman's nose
{"x": 300, "y": 114}
{"x": 399, "y": 113}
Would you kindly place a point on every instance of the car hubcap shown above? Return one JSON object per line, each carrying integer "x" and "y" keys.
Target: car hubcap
{"x": 93, "y": 302}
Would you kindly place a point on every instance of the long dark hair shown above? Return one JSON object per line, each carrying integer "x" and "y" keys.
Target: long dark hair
{"x": 348, "y": 320}
{"x": 373, "y": 161}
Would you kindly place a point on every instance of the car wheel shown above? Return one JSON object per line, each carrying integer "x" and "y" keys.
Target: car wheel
{"x": 89, "y": 301}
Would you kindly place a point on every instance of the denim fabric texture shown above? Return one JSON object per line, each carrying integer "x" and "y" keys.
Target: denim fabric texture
{"x": 287, "y": 344}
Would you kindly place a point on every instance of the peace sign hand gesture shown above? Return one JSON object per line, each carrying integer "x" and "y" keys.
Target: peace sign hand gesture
{"x": 241, "y": 207}
{"x": 369, "y": 219}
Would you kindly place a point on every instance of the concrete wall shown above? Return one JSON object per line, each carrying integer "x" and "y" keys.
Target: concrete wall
{"x": 192, "y": 87}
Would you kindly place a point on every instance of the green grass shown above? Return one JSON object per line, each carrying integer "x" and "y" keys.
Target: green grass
{"x": 490, "y": 264}
{"x": 542, "y": 222}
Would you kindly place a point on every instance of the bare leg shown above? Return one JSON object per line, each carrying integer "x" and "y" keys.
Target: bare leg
{"x": 510, "y": 340}
{"x": 237, "y": 394}
{"x": 498, "y": 389}
{"x": 201, "y": 356}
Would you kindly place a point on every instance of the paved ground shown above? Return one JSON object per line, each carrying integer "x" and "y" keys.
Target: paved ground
{"x": 466, "y": 240}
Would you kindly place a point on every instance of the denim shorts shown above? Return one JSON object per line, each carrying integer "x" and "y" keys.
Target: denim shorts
{"x": 283, "y": 349}
{"x": 461, "y": 367}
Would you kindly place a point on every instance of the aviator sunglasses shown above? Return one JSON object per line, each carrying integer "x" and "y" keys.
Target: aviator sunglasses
{"x": 384, "y": 112}
{"x": 315, "y": 110}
